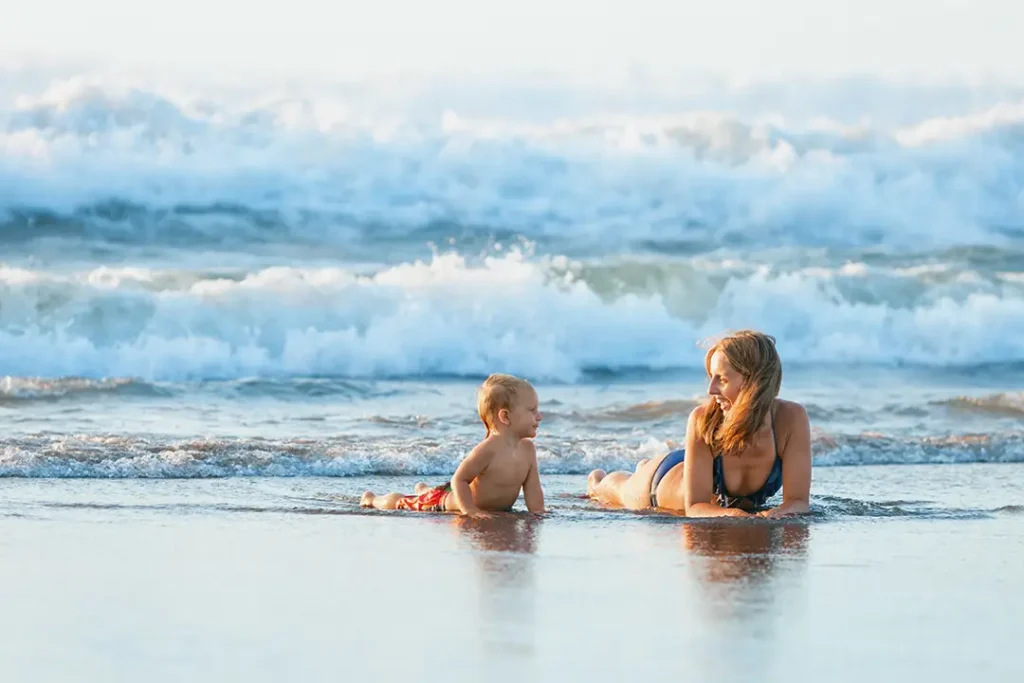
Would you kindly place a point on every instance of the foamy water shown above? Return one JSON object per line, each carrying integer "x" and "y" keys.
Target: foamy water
{"x": 290, "y": 282}
{"x": 122, "y": 162}
{"x": 543, "y": 316}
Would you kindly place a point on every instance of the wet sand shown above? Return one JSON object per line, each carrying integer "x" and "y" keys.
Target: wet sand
{"x": 128, "y": 581}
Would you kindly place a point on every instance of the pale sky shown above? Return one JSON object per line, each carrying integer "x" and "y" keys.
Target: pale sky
{"x": 746, "y": 39}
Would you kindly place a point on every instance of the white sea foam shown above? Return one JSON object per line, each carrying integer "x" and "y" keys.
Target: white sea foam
{"x": 138, "y": 163}
{"x": 551, "y": 318}
{"x": 103, "y": 457}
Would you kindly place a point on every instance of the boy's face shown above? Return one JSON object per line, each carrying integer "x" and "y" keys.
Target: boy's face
{"x": 524, "y": 416}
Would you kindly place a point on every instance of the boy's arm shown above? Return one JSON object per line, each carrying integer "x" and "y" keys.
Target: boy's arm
{"x": 532, "y": 490}
{"x": 469, "y": 469}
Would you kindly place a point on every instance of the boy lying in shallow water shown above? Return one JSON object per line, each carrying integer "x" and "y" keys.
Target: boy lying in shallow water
{"x": 490, "y": 477}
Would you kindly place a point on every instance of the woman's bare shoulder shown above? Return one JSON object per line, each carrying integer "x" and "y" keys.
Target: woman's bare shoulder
{"x": 789, "y": 413}
{"x": 698, "y": 411}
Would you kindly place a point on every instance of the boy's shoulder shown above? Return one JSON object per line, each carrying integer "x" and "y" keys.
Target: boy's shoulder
{"x": 526, "y": 452}
{"x": 494, "y": 446}
{"x": 488, "y": 446}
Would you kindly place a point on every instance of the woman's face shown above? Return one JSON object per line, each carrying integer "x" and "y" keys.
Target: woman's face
{"x": 725, "y": 383}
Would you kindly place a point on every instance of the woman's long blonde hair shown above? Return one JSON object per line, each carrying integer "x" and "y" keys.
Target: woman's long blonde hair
{"x": 753, "y": 355}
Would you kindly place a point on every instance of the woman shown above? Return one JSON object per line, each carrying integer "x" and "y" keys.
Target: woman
{"x": 742, "y": 446}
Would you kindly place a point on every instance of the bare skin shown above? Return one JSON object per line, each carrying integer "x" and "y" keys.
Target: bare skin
{"x": 633, "y": 491}
{"x": 491, "y": 477}
{"x": 746, "y": 473}
{"x": 688, "y": 487}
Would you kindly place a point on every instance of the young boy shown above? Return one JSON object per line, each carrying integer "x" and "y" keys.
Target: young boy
{"x": 491, "y": 476}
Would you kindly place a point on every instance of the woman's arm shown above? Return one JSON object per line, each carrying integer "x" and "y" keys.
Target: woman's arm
{"x": 796, "y": 463}
{"x": 698, "y": 475}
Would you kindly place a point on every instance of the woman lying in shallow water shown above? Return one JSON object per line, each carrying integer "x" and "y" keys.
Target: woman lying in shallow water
{"x": 742, "y": 446}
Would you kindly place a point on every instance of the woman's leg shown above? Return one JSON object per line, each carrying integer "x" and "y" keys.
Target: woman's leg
{"x": 623, "y": 489}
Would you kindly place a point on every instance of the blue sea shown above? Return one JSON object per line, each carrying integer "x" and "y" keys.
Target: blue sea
{"x": 227, "y": 311}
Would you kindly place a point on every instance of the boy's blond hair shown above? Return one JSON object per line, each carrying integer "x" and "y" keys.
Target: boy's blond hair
{"x": 497, "y": 393}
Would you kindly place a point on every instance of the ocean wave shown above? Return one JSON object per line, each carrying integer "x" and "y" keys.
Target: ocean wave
{"x": 884, "y": 449}
{"x": 27, "y": 389}
{"x": 1002, "y": 404}
{"x": 118, "y": 456}
{"x": 545, "y": 317}
{"x": 131, "y": 165}
{"x": 832, "y": 507}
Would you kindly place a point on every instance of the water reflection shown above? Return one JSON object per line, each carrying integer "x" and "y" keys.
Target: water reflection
{"x": 501, "y": 533}
{"x": 745, "y": 555}
{"x": 503, "y": 549}
{"x": 750, "y": 580}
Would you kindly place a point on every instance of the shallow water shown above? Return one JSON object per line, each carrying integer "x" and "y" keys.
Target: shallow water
{"x": 271, "y": 579}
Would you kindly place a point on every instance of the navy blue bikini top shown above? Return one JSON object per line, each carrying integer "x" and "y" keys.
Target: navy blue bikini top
{"x": 759, "y": 498}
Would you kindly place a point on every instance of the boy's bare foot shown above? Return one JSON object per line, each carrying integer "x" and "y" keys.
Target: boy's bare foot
{"x": 367, "y": 500}
{"x": 593, "y": 479}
